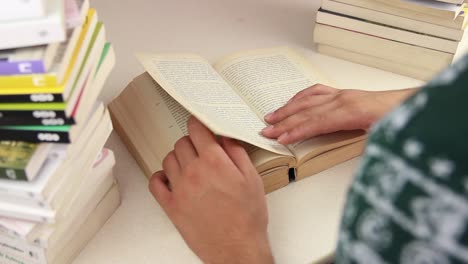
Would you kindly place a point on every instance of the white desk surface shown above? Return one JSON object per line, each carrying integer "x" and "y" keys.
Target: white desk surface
{"x": 304, "y": 216}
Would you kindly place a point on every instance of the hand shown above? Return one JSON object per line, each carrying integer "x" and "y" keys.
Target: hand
{"x": 321, "y": 109}
{"x": 215, "y": 198}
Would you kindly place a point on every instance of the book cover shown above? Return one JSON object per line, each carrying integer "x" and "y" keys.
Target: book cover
{"x": 33, "y": 98}
{"x": 14, "y": 158}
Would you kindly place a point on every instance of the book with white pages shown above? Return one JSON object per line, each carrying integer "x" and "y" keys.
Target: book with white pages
{"x": 16, "y": 10}
{"x": 69, "y": 172}
{"x": 393, "y": 20}
{"x": 38, "y": 191}
{"x": 36, "y": 31}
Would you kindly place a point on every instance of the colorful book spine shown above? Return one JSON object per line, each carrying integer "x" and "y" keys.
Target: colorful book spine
{"x": 22, "y": 67}
{"x": 32, "y": 98}
{"x": 28, "y": 80}
{"x": 36, "y": 134}
{"x": 32, "y": 106}
{"x": 32, "y": 118}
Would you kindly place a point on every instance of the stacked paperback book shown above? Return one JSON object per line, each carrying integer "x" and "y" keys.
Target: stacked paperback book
{"x": 56, "y": 183}
{"x": 416, "y": 38}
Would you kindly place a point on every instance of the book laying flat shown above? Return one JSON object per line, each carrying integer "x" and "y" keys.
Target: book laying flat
{"x": 398, "y": 52}
{"x": 60, "y": 160}
{"x": 16, "y": 10}
{"x": 37, "y": 59}
{"x": 99, "y": 180}
{"x": 72, "y": 174}
{"x": 79, "y": 233}
{"x": 90, "y": 31}
{"x": 74, "y": 111}
{"x": 55, "y": 74}
{"x": 411, "y": 11}
{"x": 231, "y": 97}
{"x": 376, "y": 62}
{"x": 21, "y": 161}
{"x": 393, "y": 20}
{"x": 386, "y": 32}
{"x": 36, "y": 31}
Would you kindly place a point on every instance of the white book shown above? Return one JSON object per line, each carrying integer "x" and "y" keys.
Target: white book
{"x": 394, "y": 51}
{"x": 451, "y": 8}
{"x": 81, "y": 160}
{"x": 40, "y": 188}
{"x": 411, "y": 11}
{"x": 38, "y": 31}
{"x": 80, "y": 232}
{"x": 386, "y": 32}
{"x": 98, "y": 174}
{"x": 25, "y": 9}
{"x": 375, "y": 62}
{"x": 393, "y": 20}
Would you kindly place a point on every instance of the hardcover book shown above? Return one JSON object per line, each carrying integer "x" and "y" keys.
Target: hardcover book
{"x": 231, "y": 98}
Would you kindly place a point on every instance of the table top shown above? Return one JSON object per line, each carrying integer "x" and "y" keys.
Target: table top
{"x": 305, "y": 215}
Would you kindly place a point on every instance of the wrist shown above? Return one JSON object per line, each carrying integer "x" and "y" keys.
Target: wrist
{"x": 252, "y": 250}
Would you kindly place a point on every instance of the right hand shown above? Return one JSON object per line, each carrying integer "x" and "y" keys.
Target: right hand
{"x": 321, "y": 109}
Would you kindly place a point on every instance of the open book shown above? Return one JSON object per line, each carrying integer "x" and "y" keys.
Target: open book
{"x": 231, "y": 98}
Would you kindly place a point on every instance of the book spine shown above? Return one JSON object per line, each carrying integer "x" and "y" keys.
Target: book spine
{"x": 16, "y": 10}
{"x": 33, "y": 80}
{"x": 32, "y": 98}
{"x": 35, "y": 136}
{"x": 14, "y": 251}
{"x": 25, "y": 201}
{"x": 39, "y": 117}
{"x": 22, "y": 67}
{"x": 13, "y": 174}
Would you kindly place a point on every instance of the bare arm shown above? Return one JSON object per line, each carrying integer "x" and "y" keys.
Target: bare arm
{"x": 323, "y": 109}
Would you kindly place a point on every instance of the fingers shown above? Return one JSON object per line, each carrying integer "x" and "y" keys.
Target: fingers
{"x": 316, "y": 89}
{"x": 201, "y": 137}
{"x": 158, "y": 186}
{"x": 238, "y": 155}
{"x": 311, "y": 117}
{"x": 331, "y": 122}
{"x": 171, "y": 168}
{"x": 298, "y": 105}
{"x": 185, "y": 151}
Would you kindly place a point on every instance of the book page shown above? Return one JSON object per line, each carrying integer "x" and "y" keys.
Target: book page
{"x": 193, "y": 82}
{"x": 267, "y": 79}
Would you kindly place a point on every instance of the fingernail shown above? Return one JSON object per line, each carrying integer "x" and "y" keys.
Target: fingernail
{"x": 267, "y": 129}
{"x": 269, "y": 116}
{"x": 283, "y": 137}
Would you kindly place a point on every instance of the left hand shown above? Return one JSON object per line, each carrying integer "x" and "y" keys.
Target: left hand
{"x": 215, "y": 198}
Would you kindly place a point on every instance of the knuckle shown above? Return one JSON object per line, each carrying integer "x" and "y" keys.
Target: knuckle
{"x": 169, "y": 157}
{"x": 181, "y": 142}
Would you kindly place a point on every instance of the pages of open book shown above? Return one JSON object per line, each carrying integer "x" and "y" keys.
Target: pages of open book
{"x": 266, "y": 79}
{"x": 192, "y": 81}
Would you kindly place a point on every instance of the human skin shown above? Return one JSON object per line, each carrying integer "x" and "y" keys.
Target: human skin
{"x": 211, "y": 191}
{"x": 322, "y": 109}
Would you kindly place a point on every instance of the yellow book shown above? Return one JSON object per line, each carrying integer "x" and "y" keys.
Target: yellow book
{"x": 7, "y": 87}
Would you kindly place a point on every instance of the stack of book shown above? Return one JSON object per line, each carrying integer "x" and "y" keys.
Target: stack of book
{"x": 56, "y": 182}
{"x": 416, "y": 38}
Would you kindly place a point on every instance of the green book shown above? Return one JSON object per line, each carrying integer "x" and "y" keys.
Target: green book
{"x": 21, "y": 161}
